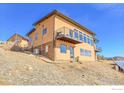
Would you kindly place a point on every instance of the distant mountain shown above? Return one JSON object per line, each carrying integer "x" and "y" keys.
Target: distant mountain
{"x": 118, "y": 58}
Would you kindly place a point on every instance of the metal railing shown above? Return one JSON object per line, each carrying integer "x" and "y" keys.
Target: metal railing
{"x": 98, "y": 49}
{"x": 65, "y": 32}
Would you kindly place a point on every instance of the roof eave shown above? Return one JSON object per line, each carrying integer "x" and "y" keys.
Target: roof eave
{"x": 63, "y": 16}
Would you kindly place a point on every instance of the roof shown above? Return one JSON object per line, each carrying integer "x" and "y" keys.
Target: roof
{"x": 32, "y": 30}
{"x": 18, "y": 35}
{"x": 55, "y": 12}
{"x": 120, "y": 64}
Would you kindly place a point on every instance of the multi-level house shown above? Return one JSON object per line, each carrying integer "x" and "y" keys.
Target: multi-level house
{"x": 60, "y": 38}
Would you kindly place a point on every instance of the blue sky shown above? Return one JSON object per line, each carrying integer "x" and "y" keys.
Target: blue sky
{"x": 106, "y": 20}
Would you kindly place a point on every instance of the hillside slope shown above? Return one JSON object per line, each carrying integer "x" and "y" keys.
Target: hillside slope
{"x": 24, "y": 69}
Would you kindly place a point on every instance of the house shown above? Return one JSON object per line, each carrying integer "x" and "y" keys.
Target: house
{"x": 20, "y": 42}
{"x": 60, "y": 38}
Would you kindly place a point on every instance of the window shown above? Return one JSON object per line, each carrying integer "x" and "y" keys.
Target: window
{"x": 71, "y": 52}
{"x": 91, "y": 42}
{"x": 36, "y": 36}
{"x": 88, "y": 39}
{"x": 89, "y": 53}
{"x": 46, "y": 49}
{"x": 76, "y": 34}
{"x": 71, "y": 33}
{"x": 63, "y": 48}
{"x": 81, "y": 36}
{"x": 44, "y": 31}
{"x": 85, "y": 38}
{"x": 81, "y": 51}
{"x": 86, "y": 53}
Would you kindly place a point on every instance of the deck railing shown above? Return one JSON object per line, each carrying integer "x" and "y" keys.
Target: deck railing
{"x": 98, "y": 49}
{"x": 67, "y": 33}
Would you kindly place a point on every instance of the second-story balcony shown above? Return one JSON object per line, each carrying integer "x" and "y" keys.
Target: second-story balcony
{"x": 68, "y": 35}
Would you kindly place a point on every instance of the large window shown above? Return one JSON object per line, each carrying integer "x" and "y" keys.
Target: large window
{"x": 89, "y": 53}
{"x": 71, "y": 33}
{"x": 76, "y": 34}
{"x": 86, "y": 53}
{"x": 63, "y": 48}
{"x": 88, "y": 40}
{"x": 91, "y": 42}
{"x": 36, "y": 36}
{"x": 81, "y": 36}
{"x": 44, "y": 31}
{"x": 85, "y": 38}
{"x": 82, "y": 52}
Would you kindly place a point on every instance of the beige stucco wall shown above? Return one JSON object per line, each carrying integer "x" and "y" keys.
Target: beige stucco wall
{"x": 49, "y": 24}
{"x": 23, "y": 44}
{"x": 59, "y": 22}
{"x": 87, "y": 47}
{"x": 52, "y": 24}
{"x": 62, "y": 56}
{"x": 47, "y": 39}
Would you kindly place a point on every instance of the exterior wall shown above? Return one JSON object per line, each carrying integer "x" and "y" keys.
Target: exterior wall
{"x": 52, "y": 24}
{"x": 49, "y": 24}
{"x": 85, "y": 46}
{"x": 49, "y": 54}
{"x": 61, "y": 56}
{"x": 44, "y": 39}
{"x": 23, "y": 44}
{"x": 59, "y": 23}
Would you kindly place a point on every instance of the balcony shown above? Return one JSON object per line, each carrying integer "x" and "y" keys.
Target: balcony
{"x": 98, "y": 49}
{"x": 68, "y": 35}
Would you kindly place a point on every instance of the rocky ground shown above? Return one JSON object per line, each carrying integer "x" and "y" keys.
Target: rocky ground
{"x": 25, "y": 69}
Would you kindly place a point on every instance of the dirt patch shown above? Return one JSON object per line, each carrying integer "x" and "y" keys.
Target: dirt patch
{"x": 25, "y": 69}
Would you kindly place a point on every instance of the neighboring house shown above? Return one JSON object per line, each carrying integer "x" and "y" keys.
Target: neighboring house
{"x": 20, "y": 42}
{"x": 60, "y": 38}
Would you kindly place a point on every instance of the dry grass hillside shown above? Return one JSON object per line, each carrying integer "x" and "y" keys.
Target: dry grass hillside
{"x": 24, "y": 69}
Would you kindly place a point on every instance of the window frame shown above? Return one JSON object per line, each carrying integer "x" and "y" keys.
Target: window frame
{"x": 36, "y": 36}
{"x": 61, "y": 50}
{"x": 82, "y": 51}
{"x": 71, "y": 33}
{"x": 76, "y": 35}
{"x": 44, "y": 31}
{"x": 88, "y": 39}
{"x": 80, "y": 36}
{"x": 92, "y": 43}
{"x": 85, "y": 38}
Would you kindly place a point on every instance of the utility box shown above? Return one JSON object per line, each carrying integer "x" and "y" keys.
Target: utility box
{"x": 36, "y": 51}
